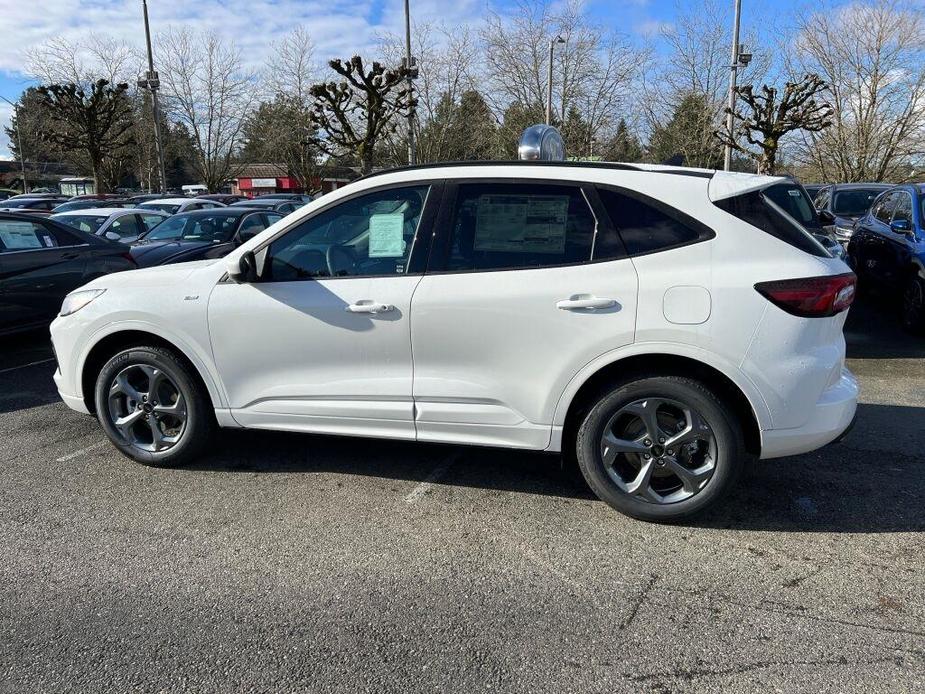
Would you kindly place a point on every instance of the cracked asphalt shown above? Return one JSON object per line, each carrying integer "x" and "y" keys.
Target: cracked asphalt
{"x": 298, "y": 563}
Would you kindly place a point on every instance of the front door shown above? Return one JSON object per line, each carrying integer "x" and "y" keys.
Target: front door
{"x": 322, "y": 341}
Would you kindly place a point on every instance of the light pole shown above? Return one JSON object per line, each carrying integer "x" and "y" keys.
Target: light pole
{"x": 151, "y": 81}
{"x": 411, "y": 65}
{"x": 552, "y": 43}
{"x": 739, "y": 59}
{"x": 22, "y": 156}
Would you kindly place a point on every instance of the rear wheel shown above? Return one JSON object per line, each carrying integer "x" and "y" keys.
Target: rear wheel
{"x": 913, "y": 311}
{"x": 662, "y": 448}
{"x": 153, "y": 408}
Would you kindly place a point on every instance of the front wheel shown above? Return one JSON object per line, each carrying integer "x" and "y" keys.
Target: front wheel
{"x": 913, "y": 315}
{"x": 153, "y": 407}
{"x": 661, "y": 448}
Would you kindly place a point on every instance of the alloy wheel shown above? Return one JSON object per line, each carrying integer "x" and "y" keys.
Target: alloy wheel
{"x": 659, "y": 450}
{"x": 147, "y": 408}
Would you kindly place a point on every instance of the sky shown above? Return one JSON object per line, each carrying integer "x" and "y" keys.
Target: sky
{"x": 338, "y": 27}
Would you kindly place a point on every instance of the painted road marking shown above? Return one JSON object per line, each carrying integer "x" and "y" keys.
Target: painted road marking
{"x": 23, "y": 366}
{"x": 77, "y": 454}
{"x": 432, "y": 478}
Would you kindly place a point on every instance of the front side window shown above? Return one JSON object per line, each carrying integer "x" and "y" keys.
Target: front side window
{"x": 251, "y": 226}
{"x": 208, "y": 228}
{"x": 370, "y": 235}
{"x": 125, "y": 226}
{"x": 643, "y": 227}
{"x": 16, "y": 235}
{"x": 151, "y": 220}
{"x": 89, "y": 223}
{"x": 903, "y": 210}
{"x": 499, "y": 226}
{"x": 883, "y": 210}
{"x": 853, "y": 203}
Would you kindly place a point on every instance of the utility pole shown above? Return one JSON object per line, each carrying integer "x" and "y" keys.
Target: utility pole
{"x": 552, "y": 43}
{"x": 412, "y": 73}
{"x": 22, "y": 155}
{"x": 151, "y": 81}
{"x": 733, "y": 69}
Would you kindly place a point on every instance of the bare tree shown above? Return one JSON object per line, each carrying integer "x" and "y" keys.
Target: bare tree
{"x": 352, "y": 115}
{"x": 873, "y": 58}
{"x": 291, "y": 69}
{"x": 59, "y": 61}
{"x": 763, "y": 120}
{"x": 208, "y": 90}
{"x": 593, "y": 70}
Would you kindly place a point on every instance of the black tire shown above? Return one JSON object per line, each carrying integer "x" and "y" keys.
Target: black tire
{"x": 727, "y": 433}
{"x": 913, "y": 306}
{"x": 200, "y": 425}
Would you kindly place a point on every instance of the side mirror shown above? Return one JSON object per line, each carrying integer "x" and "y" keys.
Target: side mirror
{"x": 242, "y": 270}
{"x": 901, "y": 226}
{"x": 826, "y": 217}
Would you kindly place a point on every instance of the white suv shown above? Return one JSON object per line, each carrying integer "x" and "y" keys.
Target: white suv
{"x": 663, "y": 326}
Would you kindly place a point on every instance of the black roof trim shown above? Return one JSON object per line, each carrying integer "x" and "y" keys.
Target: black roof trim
{"x": 517, "y": 163}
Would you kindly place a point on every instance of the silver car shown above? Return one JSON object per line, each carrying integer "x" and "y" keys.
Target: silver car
{"x": 113, "y": 223}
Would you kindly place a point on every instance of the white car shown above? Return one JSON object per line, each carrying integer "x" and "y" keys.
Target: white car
{"x": 663, "y": 326}
{"x": 113, "y": 223}
{"x": 177, "y": 205}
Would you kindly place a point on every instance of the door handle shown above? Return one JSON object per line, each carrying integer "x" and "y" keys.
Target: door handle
{"x": 369, "y": 307}
{"x": 587, "y": 302}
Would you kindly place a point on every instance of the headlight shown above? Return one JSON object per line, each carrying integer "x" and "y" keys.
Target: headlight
{"x": 75, "y": 301}
{"x": 844, "y": 232}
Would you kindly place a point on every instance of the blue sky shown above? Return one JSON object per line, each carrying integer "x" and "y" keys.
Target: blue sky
{"x": 339, "y": 27}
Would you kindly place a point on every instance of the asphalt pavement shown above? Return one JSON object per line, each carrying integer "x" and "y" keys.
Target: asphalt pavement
{"x": 285, "y": 563}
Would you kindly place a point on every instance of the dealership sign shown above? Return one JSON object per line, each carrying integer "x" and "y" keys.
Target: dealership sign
{"x": 263, "y": 183}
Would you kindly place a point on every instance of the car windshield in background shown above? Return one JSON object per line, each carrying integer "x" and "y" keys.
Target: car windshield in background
{"x": 794, "y": 201}
{"x": 14, "y": 204}
{"x": 89, "y": 223}
{"x": 169, "y": 208}
{"x": 211, "y": 229}
{"x": 853, "y": 203}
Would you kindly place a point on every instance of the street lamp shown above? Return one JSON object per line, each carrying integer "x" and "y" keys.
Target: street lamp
{"x": 410, "y": 62}
{"x": 22, "y": 156}
{"x": 151, "y": 81}
{"x": 552, "y": 43}
{"x": 740, "y": 58}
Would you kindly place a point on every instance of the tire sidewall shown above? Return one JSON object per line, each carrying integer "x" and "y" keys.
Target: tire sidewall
{"x": 726, "y": 431}
{"x": 195, "y": 429}
{"x": 913, "y": 318}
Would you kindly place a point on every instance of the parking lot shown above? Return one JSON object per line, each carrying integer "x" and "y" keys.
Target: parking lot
{"x": 303, "y": 563}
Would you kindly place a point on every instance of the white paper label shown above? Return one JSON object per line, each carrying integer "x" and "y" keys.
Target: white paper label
{"x": 385, "y": 235}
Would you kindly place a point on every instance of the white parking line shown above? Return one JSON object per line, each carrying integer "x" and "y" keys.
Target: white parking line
{"x": 23, "y": 366}
{"x": 429, "y": 481}
{"x": 77, "y": 454}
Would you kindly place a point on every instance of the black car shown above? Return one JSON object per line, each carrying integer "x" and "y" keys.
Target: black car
{"x": 91, "y": 204}
{"x": 223, "y": 198}
{"x": 41, "y": 261}
{"x": 275, "y": 204}
{"x": 842, "y": 204}
{"x": 144, "y": 197}
{"x": 200, "y": 235}
{"x": 43, "y": 205}
{"x": 299, "y": 197}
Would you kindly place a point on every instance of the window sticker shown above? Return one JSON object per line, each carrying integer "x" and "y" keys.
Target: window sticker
{"x": 521, "y": 223}
{"x": 19, "y": 239}
{"x": 385, "y": 235}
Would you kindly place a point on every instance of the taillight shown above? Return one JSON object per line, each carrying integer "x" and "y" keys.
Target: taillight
{"x": 811, "y": 297}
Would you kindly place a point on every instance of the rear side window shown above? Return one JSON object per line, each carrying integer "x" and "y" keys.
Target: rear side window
{"x": 16, "y": 235}
{"x": 763, "y": 212}
{"x": 507, "y": 226}
{"x": 643, "y": 227}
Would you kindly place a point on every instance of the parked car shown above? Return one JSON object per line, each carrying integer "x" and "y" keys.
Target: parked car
{"x": 283, "y": 206}
{"x": 38, "y": 193}
{"x": 7, "y": 193}
{"x": 112, "y": 223}
{"x": 304, "y": 198}
{"x": 42, "y": 206}
{"x": 661, "y": 325}
{"x": 223, "y": 198}
{"x": 41, "y": 261}
{"x": 200, "y": 234}
{"x": 839, "y": 206}
{"x": 97, "y": 196}
{"x": 90, "y": 204}
{"x": 887, "y": 250}
{"x": 178, "y": 205}
{"x": 145, "y": 197}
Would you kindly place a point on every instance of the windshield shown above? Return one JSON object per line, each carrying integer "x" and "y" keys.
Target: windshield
{"x": 12, "y": 204}
{"x": 211, "y": 229}
{"x": 168, "y": 207}
{"x": 853, "y": 203}
{"x": 89, "y": 223}
{"x": 794, "y": 201}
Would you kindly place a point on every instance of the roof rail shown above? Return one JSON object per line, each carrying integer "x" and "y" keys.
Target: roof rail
{"x": 519, "y": 163}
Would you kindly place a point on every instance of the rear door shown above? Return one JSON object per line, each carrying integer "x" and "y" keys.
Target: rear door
{"x": 515, "y": 301}
{"x": 39, "y": 265}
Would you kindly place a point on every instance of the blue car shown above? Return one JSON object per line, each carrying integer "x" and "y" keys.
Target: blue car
{"x": 887, "y": 249}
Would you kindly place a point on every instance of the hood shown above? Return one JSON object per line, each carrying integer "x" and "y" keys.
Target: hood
{"x": 162, "y": 276}
{"x": 149, "y": 253}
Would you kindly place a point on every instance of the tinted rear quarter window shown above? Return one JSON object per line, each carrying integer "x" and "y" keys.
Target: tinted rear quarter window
{"x": 645, "y": 227}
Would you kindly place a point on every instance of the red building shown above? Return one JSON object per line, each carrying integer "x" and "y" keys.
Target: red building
{"x": 258, "y": 179}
